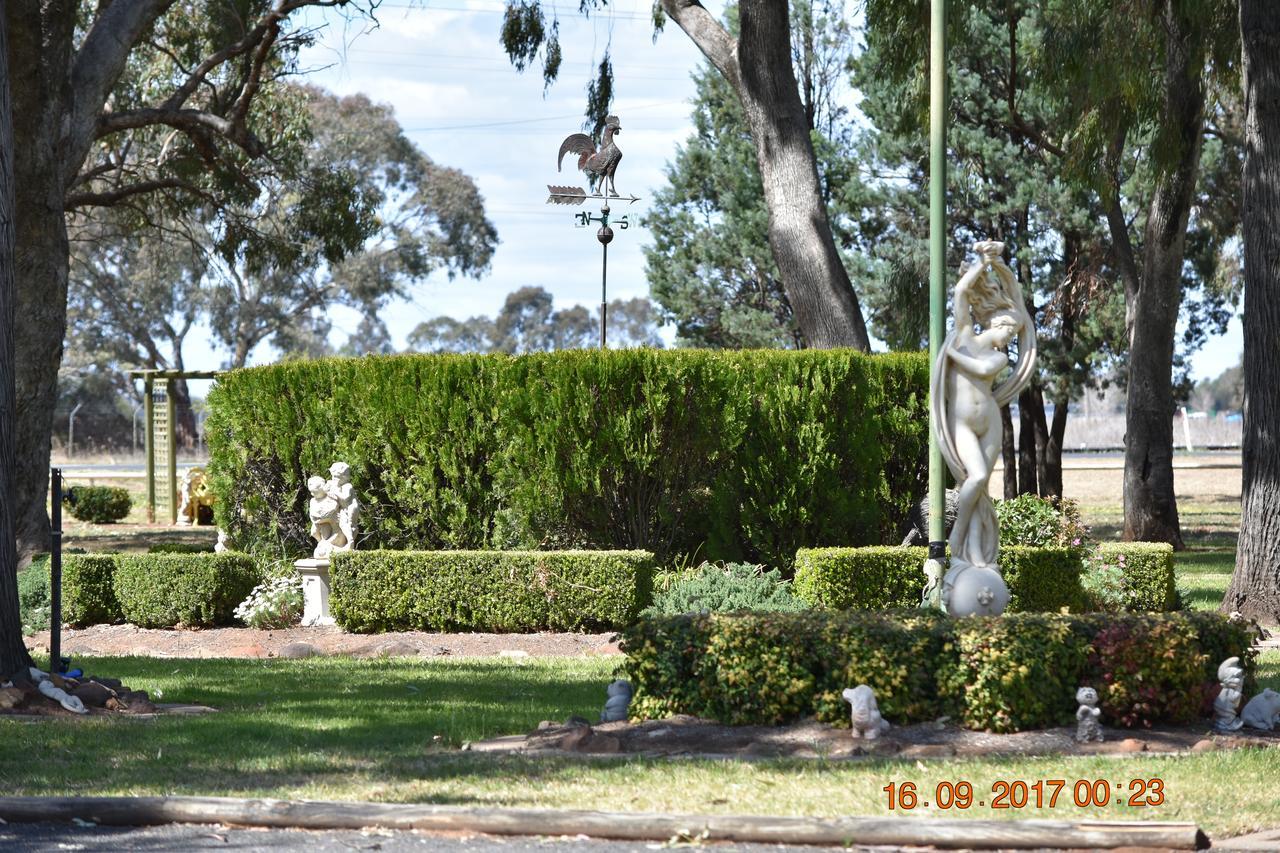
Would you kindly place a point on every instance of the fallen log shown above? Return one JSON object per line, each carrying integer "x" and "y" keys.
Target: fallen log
{"x": 316, "y": 814}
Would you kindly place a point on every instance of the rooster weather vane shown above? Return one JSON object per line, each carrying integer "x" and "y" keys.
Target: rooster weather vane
{"x": 600, "y": 165}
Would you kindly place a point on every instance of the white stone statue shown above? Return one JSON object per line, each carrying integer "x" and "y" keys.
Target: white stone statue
{"x": 223, "y": 544}
{"x": 1262, "y": 711}
{"x": 966, "y": 394}
{"x": 615, "y": 707}
{"x": 1231, "y": 676}
{"x": 864, "y": 712}
{"x": 333, "y": 511}
{"x": 1088, "y": 728}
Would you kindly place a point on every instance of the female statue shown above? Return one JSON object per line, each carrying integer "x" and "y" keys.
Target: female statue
{"x": 966, "y": 399}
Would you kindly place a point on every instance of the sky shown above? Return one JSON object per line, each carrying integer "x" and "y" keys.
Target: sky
{"x": 443, "y": 70}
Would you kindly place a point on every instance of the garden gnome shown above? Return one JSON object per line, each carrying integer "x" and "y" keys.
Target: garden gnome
{"x": 864, "y": 712}
{"x": 615, "y": 708}
{"x": 1262, "y": 711}
{"x": 1231, "y": 677}
{"x": 1087, "y": 726}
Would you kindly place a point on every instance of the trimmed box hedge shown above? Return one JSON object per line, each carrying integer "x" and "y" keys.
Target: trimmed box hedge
{"x": 1148, "y": 573}
{"x": 156, "y": 590}
{"x": 98, "y": 504}
{"x": 501, "y": 591}
{"x": 734, "y": 456}
{"x": 879, "y": 578}
{"x": 1007, "y": 673}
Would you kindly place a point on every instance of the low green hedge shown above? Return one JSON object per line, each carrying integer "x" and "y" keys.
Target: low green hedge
{"x": 503, "y": 591}
{"x": 88, "y": 591}
{"x": 98, "y": 504}
{"x": 194, "y": 590}
{"x": 1148, "y": 573}
{"x": 879, "y": 578}
{"x": 155, "y": 590}
{"x": 1007, "y": 673}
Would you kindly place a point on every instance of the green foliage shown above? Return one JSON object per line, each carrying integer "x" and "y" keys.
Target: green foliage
{"x": 503, "y": 591}
{"x": 734, "y": 456}
{"x": 1040, "y": 522}
{"x": 1148, "y": 571}
{"x": 189, "y": 590}
{"x": 712, "y": 588}
{"x": 88, "y": 590}
{"x": 876, "y": 578}
{"x": 179, "y": 548}
{"x": 34, "y": 601}
{"x": 98, "y": 504}
{"x": 1008, "y": 673}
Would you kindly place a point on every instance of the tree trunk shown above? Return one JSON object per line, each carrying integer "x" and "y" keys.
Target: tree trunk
{"x": 1008, "y": 454}
{"x": 759, "y": 68}
{"x": 39, "y": 56}
{"x": 13, "y": 651}
{"x": 1051, "y": 485}
{"x": 1027, "y": 482}
{"x": 1255, "y": 584}
{"x": 1150, "y": 508}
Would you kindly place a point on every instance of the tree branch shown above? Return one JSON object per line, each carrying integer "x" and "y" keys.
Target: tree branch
{"x": 706, "y": 32}
{"x": 195, "y": 123}
{"x": 116, "y": 30}
{"x": 113, "y": 197}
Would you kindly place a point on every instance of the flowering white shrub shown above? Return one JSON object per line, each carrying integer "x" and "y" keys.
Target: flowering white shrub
{"x": 275, "y": 603}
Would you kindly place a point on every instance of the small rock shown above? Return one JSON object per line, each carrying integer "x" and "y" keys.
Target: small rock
{"x": 439, "y": 651}
{"x": 575, "y": 720}
{"x": 397, "y": 649}
{"x": 513, "y": 653}
{"x": 11, "y": 697}
{"x": 297, "y": 651}
{"x": 1204, "y": 745}
{"x": 547, "y": 724}
{"x": 1131, "y": 744}
{"x": 928, "y": 750}
{"x": 93, "y": 694}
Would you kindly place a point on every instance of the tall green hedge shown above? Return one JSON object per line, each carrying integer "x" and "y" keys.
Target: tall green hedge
{"x": 1006, "y": 673}
{"x": 729, "y": 455}
{"x": 501, "y": 591}
{"x": 877, "y": 578}
{"x": 1148, "y": 573}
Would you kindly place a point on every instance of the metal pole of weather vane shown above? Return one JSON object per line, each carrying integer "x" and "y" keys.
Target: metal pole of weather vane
{"x": 599, "y": 163}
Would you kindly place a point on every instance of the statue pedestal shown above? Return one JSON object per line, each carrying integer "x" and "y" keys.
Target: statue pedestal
{"x": 315, "y": 591}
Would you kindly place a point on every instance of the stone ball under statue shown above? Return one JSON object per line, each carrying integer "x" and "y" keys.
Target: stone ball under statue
{"x": 977, "y": 591}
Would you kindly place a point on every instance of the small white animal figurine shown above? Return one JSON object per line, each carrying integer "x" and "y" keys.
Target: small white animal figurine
{"x": 615, "y": 707}
{"x": 864, "y": 712}
{"x": 1262, "y": 711}
{"x": 1225, "y": 706}
{"x": 1087, "y": 726}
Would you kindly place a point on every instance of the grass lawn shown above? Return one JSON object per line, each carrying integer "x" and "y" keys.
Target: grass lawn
{"x": 387, "y": 730}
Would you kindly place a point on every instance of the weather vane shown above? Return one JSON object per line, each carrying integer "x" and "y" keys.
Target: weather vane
{"x": 600, "y": 165}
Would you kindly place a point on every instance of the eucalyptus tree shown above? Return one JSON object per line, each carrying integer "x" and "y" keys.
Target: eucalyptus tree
{"x": 1135, "y": 141}
{"x": 1255, "y": 584}
{"x": 93, "y": 83}
{"x": 753, "y": 52}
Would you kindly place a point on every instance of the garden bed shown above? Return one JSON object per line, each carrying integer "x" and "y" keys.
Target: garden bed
{"x": 129, "y": 640}
{"x": 691, "y": 737}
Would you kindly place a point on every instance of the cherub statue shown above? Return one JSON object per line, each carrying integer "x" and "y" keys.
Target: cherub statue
{"x": 325, "y": 523}
{"x": 864, "y": 712}
{"x": 1231, "y": 676}
{"x": 966, "y": 398}
{"x": 341, "y": 490}
{"x": 1087, "y": 726}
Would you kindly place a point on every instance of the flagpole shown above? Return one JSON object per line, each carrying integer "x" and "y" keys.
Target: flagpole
{"x": 937, "y": 280}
